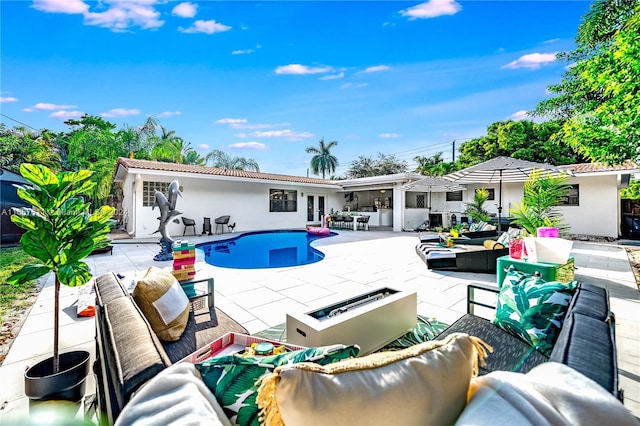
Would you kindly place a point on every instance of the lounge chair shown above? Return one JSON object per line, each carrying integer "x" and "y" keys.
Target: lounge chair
{"x": 471, "y": 259}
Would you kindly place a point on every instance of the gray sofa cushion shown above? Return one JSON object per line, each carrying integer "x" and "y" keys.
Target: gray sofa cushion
{"x": 509, "y": 352}
{"x": 135, "y": 354}
{"x": 592, "y": 301}
{"x": 588, "y": 345}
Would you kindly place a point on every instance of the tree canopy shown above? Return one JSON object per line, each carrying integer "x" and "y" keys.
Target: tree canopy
{"x": 368, "y": 166}
{"x": 523, "y": 139}
{"x": 598, "y": 96}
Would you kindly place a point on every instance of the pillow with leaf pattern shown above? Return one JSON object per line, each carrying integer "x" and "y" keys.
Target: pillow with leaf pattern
{"x": 232, "y": 378}
{"x": 532, "y": 309}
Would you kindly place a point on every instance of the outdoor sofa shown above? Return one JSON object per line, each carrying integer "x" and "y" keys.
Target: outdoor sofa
{"x": 129, "y": 355}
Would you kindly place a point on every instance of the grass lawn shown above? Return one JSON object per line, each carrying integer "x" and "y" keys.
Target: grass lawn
{"x": 13, "y": 296}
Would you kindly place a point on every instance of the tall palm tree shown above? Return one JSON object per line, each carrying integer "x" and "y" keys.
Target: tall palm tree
{"x": 223, "y": 160}
{"x": 323, "y": 160}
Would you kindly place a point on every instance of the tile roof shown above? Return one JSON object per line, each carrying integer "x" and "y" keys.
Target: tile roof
{"x": 131, "y": 163}
{"x": 600, "y": 167}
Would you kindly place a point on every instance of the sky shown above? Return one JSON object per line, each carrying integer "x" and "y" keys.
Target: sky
{"x": 265, "y": 80}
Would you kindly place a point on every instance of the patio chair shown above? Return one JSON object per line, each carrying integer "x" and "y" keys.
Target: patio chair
{"x": 187, "y": 223}
{"x": 363, "y": 223}
{"x": 206, "y": 226}
{"x": 222, "y": 221}
{"x": 348, "y": 222}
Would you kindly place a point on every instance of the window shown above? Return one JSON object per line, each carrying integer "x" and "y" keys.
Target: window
{"x": 420, "y": 201}
{"x": 573, "y": 199}
{"x": 149, "y": 192}
{"x": 492, "y": 194}
{"x": 282, "y": 200}
{"x": 454, "y": 196}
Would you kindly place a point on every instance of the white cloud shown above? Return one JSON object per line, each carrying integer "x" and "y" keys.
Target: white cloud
{"x": 286, "y": 134}
{"x": 116, "y": 15}
{"x": 65, "y": 115}
{"x": 122, "y": 15}
{"x": 432, "y": 9}
{"x": 519, "y": 115}
{"x": 203, "y": 146}
{"x": 332, "y": 76}
{"x": 301, "y": 69}
{"x": 61, "y": 6}
{"x": 248, "y": 145}
{"x": 4, "y": 99}
{"x": 376, "y": 68}
{"x": 242, "y": 52}
{"x": 185, "y": 10}
{"x": 207, "y": 27}
{"x": 389, "y": 135}
{"x": 231, "y": 120}
{"x": 532, "y": 61}
{"x": 352, "y": 85}
{"x": 120, "y": 112}
{"x": 169, "y": 114}
{"x": 553, "y": 40}
{"x": 43, "y": 106}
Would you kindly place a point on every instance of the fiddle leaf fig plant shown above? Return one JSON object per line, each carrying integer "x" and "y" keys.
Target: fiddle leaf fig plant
{"x": 60, "y": 230}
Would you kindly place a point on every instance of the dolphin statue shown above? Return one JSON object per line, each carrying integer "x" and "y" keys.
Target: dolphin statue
{"x": 166, "y": 213}
{"x": 174, "y": 192}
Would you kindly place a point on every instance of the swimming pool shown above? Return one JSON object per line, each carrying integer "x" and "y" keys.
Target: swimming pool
{"x": 264, "y": 249}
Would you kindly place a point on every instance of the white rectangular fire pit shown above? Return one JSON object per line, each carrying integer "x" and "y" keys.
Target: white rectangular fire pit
{"x": 370, "y": 320}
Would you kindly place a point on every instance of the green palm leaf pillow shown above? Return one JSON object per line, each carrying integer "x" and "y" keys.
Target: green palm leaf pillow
{"x": 533, "y": 309}
{"x": 232, "y": 378}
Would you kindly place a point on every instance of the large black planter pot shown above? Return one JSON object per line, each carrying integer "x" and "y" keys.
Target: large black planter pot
{"x": 68, "y": 384}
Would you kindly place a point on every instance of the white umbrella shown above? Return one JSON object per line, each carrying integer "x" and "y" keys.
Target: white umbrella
{"x": 501, "y": 169}
{"x": 431, "y": 184}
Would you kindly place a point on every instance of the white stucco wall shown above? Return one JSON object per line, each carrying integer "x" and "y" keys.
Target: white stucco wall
{"x": 246, "y": 202}
{"x": 599, "y": 209}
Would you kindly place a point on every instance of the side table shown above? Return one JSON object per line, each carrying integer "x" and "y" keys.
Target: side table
{"x": 197, "y": 288}
{"x": 548, "y": 271}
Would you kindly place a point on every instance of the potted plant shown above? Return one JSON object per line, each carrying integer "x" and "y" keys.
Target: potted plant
{"x": 538, "y": 208}
{"x": 475, "y": 209}
{"x": 60, "y": 233}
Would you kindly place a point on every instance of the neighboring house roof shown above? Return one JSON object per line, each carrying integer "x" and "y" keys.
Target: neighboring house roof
{"x": 600, "y": 168}
{"x": 134, "y": 165}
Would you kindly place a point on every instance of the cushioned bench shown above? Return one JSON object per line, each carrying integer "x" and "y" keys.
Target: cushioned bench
{"x": 586, "y": 341}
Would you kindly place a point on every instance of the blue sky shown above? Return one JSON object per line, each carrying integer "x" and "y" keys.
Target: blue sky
{"x": 265, "y": 80}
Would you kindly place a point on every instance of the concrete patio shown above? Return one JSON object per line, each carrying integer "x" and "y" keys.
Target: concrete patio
{"x": 355, "y": 262}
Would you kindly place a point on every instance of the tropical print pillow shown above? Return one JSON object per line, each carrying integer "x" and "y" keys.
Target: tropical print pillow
{"x": 533, "y": 309}
{"x": 232, "y": 378}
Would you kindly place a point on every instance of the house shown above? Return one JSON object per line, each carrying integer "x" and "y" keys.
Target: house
{"x": 258, "y": 201}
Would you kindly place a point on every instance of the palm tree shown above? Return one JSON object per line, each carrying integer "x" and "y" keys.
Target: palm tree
{"x": 223, "y": 160}
{"x": 323, "y": 160}
{"x": 433, "y": 166}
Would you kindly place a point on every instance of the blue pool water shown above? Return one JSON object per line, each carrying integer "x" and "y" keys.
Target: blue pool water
{"x": 266, "y": 249}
